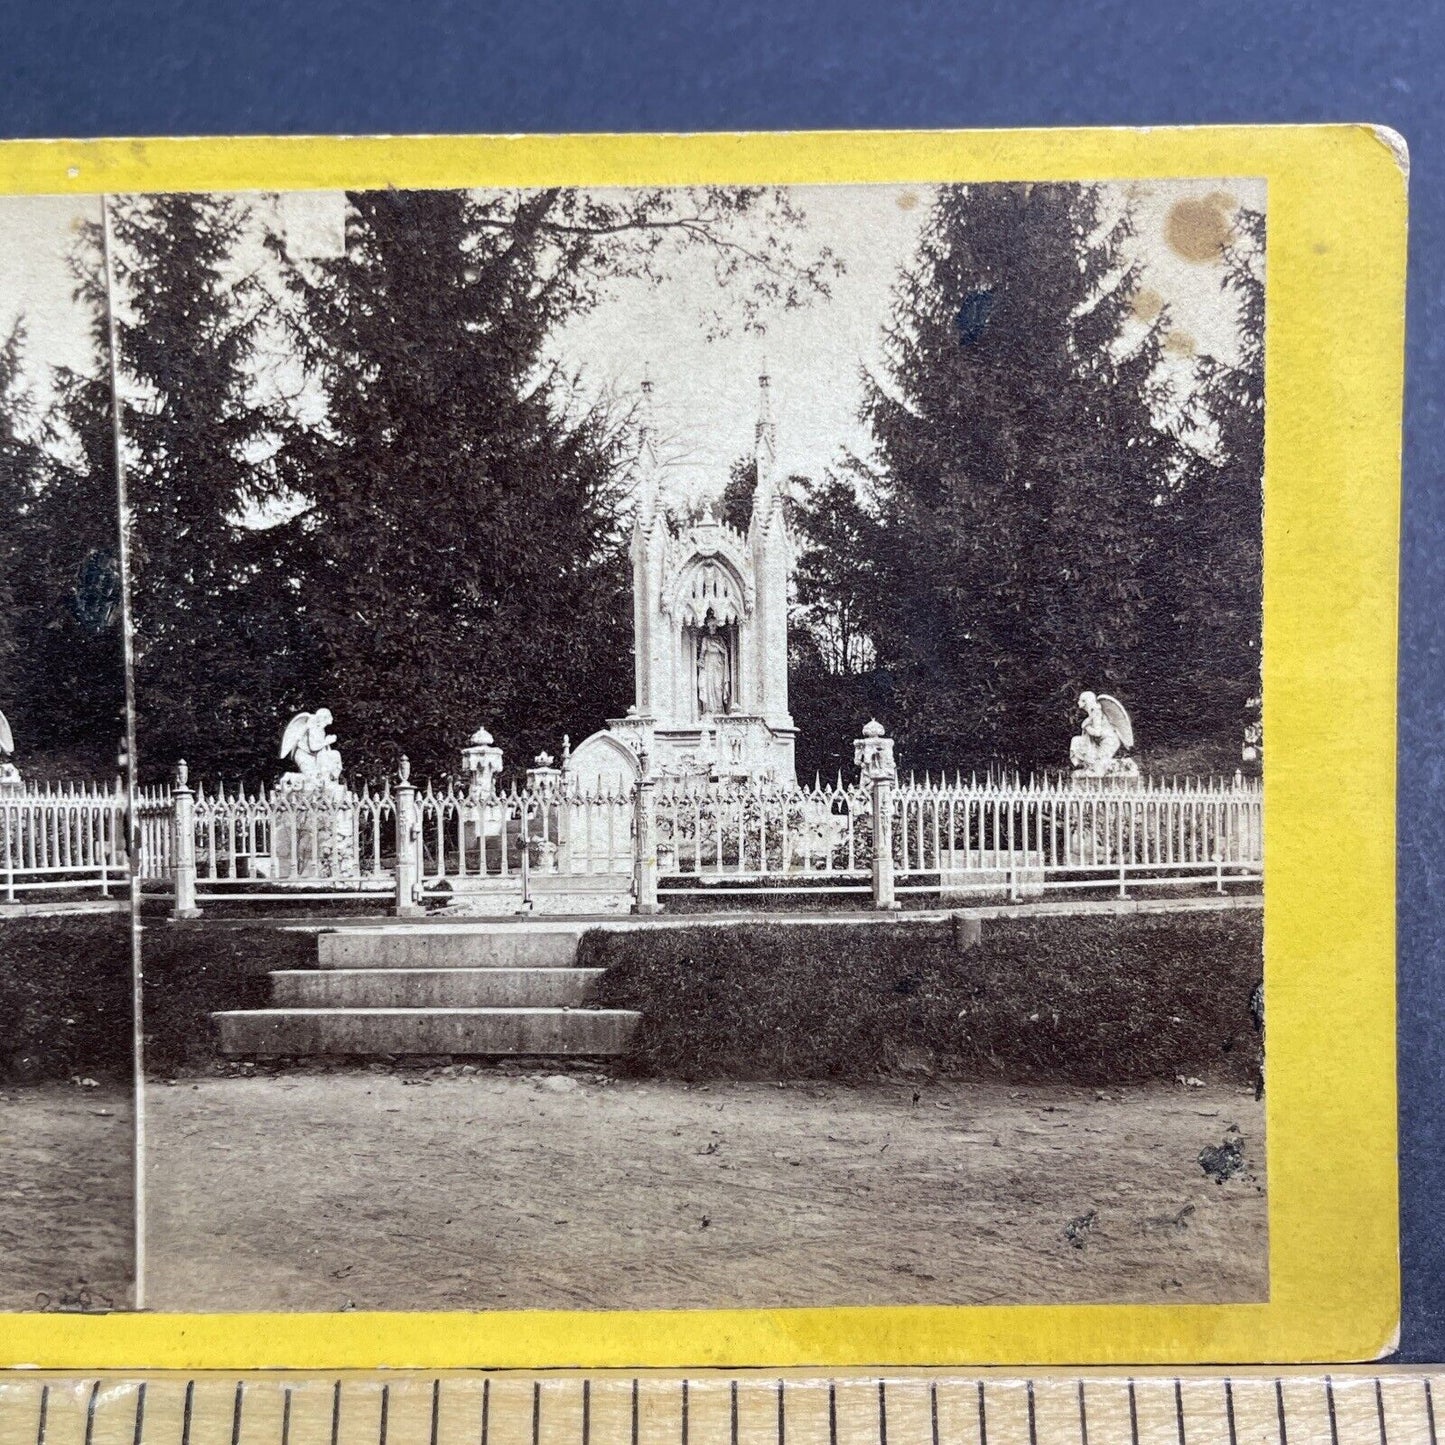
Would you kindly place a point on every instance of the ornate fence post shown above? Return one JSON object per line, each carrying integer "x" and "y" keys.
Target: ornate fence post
{"x": 183, "y": 845}
{"x": 408, "y": 831}
{"x": 873, "y": 753}
{"x": 644, "y": 841}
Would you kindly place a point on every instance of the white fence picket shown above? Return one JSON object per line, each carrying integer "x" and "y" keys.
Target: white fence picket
{"x": 61, "y": 836}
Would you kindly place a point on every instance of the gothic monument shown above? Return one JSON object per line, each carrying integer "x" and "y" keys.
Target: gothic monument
{"x": 710, "y": 626}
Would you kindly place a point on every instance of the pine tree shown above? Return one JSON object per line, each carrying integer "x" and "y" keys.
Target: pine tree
{"x": 833, "y": 576}
{"x": 280, "y": 561}
{"x": 1020, "y": 475}
{"x": 463, "y": 552}
{"x": 65, "y": 679}
{"x": 21, "y": 473}
{"x": 1219, "y": 593}
{"x": 188, "y": 320}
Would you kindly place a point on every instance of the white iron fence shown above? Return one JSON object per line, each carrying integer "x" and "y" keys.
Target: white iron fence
{"x": 996, "y": 836}
{"x": 720, "y": 837}
{"x": 1077, "y": 833}
{"x": 62, "y": 836}
{"x": 465, "y": 837}
{"x": 957, "y": 840}
{"x": 267, "y": 845}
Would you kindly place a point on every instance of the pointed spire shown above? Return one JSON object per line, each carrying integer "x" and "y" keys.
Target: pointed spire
{"x": 765, "y": 433}
{"x": 647, "y": 429}
{"x": 648, "y": 484}
{"x": 765, "y": 451}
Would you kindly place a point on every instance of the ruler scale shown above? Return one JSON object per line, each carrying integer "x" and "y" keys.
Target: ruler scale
{"x": 1255, "y": 1407}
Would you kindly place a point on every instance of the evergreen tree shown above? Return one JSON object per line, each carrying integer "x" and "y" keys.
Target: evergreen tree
{"x": 280, "y": 561}
{"x": 833, "y": 686}
{"x": 1022, "y": 477}
{"x": 60, "y": 608}
{"x": 832, "y": 689}
{"x": 188, "y": 323}
{"x": 1218, "y": 599}
{"x": 835, "y": 537}
{"x": 736, "y": 504}
{"x": 463, "y": 552}
{"x": 21, "y": 472}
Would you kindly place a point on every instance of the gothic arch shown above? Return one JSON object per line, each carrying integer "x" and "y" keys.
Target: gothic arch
{"x": 602, "y": 762}
{"x": 709, "y": 582}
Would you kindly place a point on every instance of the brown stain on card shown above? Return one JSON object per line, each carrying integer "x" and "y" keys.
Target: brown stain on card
{"x": 1146, "y": 304}
{"x": 1198, "y": 228}
{"x": 1179, "y": 343}
{"x": 907, "y": 200}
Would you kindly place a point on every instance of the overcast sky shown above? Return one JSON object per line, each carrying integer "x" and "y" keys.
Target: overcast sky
{"x": 705, "y": 396}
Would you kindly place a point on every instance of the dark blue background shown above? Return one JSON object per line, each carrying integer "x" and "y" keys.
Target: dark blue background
{"x": 223, "y": 66}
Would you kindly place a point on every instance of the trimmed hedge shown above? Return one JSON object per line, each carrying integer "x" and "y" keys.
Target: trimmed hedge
{"x": 65, "y": 998}
{"x": 195, "y": 969}
{"x": 1081, "y": 1000}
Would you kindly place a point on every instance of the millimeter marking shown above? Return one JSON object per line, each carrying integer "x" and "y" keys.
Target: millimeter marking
{"x": 564, "y": 1408}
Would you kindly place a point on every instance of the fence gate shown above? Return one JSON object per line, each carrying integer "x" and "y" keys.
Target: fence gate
{"x": 507, "y": 844}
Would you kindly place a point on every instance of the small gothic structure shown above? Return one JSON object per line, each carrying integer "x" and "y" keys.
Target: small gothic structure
{"x": 710, "y": 624}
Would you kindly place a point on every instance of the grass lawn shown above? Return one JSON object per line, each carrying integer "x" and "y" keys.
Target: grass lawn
{"x": 1082, "y": 1000}
{"x": 65, "y": 997}
{"x": 1065, "y": 999}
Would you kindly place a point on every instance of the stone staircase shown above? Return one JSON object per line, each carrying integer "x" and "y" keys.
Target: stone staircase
{"x": 488, "y": 990}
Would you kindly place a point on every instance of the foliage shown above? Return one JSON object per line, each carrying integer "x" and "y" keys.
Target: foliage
{"x": 585, "y": 240}
{"x": 420, "y": 526}
{"x": 832, "y": 689}
{"x": 65, "y": 996}
{"x": 459, "y": 542}
{"x": 1080, "y": 1000}
{"x": 188, "y": 326}
{"x": 837, "y": 539}
{"x": 421, "y": 529}
{"x": 60, "y": 636}
{"x": 21, "y": 465}
{"x": 1219, "y": 554}
{"x": 736, "y": 505}
{"x": 1020, "y": 476}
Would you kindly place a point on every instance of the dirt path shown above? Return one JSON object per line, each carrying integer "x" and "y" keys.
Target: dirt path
{"x": 444, "y": 1191}
{"x": 65, "y": 1196}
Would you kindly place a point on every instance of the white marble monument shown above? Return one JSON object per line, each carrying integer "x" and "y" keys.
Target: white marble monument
{"x": 10, "y": 779}
{"x": 314, "y": 832}
{"x": 1100, "y": 748}
{"x": 710, "y": 623}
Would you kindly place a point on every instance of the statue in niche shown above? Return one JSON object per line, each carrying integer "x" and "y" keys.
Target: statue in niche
{"x": 714, "y": 670}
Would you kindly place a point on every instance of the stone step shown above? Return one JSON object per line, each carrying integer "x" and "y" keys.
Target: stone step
{"x": 434, "y": 987}
{"x": 558, "y": 895}
{"x": 499, "y": 945}
{"x": 466, "y": 1031}
{"x": 562, "y": 898}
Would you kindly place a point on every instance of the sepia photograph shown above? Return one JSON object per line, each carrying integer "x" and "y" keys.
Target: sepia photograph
{"x": 696, "y": 747}
{"x": 66, "y": 1118}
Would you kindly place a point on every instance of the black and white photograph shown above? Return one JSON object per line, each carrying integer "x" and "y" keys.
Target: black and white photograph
{"x": 66, "y": 1020}
{"x": 696, "y": 747}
